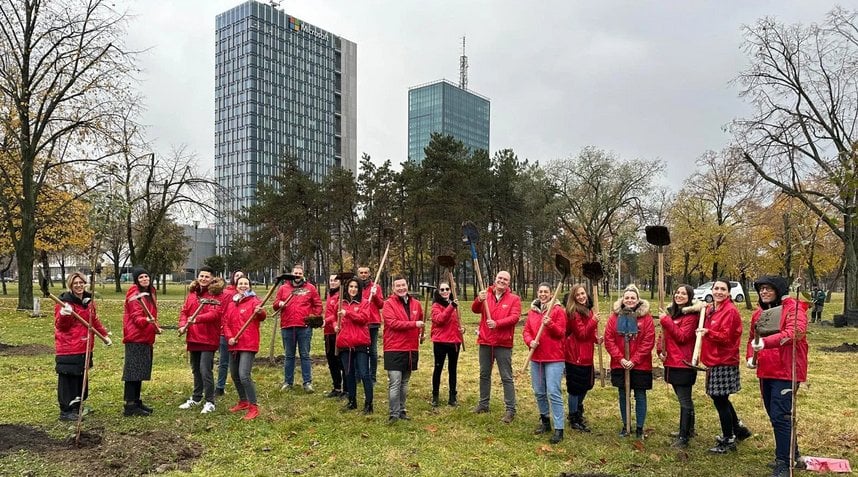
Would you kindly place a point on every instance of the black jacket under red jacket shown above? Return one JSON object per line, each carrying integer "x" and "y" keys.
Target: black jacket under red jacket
{"x": 400, "y": 328}
{"x": 70, "y": 335}
{"x": 136, "y": 327}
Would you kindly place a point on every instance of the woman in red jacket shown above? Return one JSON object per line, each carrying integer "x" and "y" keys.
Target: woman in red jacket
{"x": 678, "y": 327}
{"x": 353, "y": 343}
{"x": 631, "y": 307}
{"x": 335, "y": 366}
{"x": 138, "y": 335}
{"x": 244, "y": 305}
{"x": 547, "y": 364}
{"x": 72, "y": 338}
{"x": 722, "y": 332}
{"x": 581, "y": 327}
{"x": 446, "y": 340}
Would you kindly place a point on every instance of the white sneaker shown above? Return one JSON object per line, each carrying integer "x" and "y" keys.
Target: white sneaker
{"x": 189, "y": 404}
{"x": 208, "y": 407}
{"x": 308, "y": 387}
{"x": 286, "y": 387}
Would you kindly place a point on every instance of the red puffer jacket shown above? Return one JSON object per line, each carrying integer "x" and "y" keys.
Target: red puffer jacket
{"x": 445, "y": 323}
{"x": 774, "y": 361}
{"x": 305, "y": 301}
{"x": 135, "y": 325}
{"x": 236, "y": 314}
{"x": 720, "y": 345}
{"x": 580, "y": 338}
{"x": 550, "y": 347}
{"x": 505, "y": 312}
{"x": 331, "y": 312}
{"x": 355, "y": 331}
{"x": 204, "y": 334}
{"x": 641, "y": 344}
{"x": 70, "y": 335}
{"x": 377, "y": 302}
{"x": 400, "y": 329}
{"x": 679, "y": 335}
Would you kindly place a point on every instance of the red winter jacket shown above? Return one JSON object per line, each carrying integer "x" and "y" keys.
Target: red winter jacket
{"x": 550, "y": 347}
{"x": 377, "y": 302}
{"x": 720, "y": 345}
{"x": 679, "y": 335}
{"x": 305, "y": 302}
{"x": 135, "y": 325}
{"x": 236, "y": 314}
{"x": 400, "y": 330}
{"x": 641, "y": 344}
{"x": 354, "y": 331}
{"x": 204, "y": 334}
{"x": 445, "y": 323}
{"x": 774, "y": 361}
{"x": 505, "y": 312}
{"x": 70, "y": 335}
{"x": 331, "y": 306}
{"x": 580, "y": 338}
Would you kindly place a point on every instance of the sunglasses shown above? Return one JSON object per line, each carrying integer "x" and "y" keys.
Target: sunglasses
{"x": 443, "y": 289}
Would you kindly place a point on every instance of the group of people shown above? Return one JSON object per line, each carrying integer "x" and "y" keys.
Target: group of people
{"x": 561, "y": 338}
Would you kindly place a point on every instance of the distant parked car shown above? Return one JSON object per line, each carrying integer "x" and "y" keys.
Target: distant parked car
{"x": 704, "y": 292}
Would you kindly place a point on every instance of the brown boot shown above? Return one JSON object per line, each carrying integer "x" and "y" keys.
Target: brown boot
{"x": 508, "y": 417}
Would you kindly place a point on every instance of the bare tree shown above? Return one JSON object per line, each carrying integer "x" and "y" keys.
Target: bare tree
{"x": 803, "y": 84}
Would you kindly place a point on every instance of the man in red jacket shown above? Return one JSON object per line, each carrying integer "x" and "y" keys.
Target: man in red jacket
{"x": 774, "y": 346}
{"x": 403, "y": 319}
{"x": 372, "y": 294}
{"x": 495, "y": 340}
{"x": 296, "y": 300}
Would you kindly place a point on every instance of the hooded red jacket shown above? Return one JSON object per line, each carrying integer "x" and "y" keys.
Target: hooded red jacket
{"x": 70, "y": 335}
{"x": 445, "y": 324}
{"x": 551, "y": 343}
{"x": 204, "y": 334}
{"x": 580, "y": 338}
{"x": 400, "y": 329}
{"x": 135, "y": 325}
{"x": 331, "y": 306}
{"x": 640, "y": 346}
{"x": 354, "y": 331}
{"x": 305, "y": 302}
{"x": 236, "y": 314}
{"x": 680, "y": 335}
{"x": 774, "y": 361}
{"x": 506, "y": 312}
{"x": 720, "y": 345}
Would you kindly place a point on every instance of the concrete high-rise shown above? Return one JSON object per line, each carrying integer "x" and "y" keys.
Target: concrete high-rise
{"x": 282, "y": 86}
{"x": 445, "y": 108}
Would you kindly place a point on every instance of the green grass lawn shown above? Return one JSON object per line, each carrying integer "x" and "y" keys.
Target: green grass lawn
{"x": 307, "y": 434}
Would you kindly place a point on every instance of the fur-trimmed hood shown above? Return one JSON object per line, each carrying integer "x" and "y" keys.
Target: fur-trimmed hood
{"x": 641, "y": 310}
{"x": 215, "y": 287}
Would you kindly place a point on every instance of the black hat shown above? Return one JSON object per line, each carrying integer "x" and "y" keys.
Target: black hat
{"x": 135, "y": 273}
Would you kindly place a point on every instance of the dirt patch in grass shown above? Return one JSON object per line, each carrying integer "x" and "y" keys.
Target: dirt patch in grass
{"x": 278, "y": 361}
{"x": 24, "y": 350}
{"x": 105, "y": 453}
{"x": 844, "y": 348}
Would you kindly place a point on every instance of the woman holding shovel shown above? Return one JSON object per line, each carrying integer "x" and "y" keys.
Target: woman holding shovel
{"x": 581, "y": 327}
{"x": 242, "y": 317}
{"x": 629, "y": 339}
{"x": 446, "y": 340}
{"x": 139, "y": 327}
{"x": 353, "y": 342}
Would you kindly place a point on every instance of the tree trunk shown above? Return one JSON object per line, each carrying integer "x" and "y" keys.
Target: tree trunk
{"x": 25, "y": 255}
{"x": 850, "y": 249}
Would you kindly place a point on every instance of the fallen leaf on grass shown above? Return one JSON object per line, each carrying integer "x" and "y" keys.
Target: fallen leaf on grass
{"x": 655, "y": 457}
{"x": 638, "y": 445}
{"x": 431, "y": 428}
{"x": 682, "y": 456}
{"x": 544, "y": 449}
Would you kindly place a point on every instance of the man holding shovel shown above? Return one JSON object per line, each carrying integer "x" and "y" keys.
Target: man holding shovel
{"x": 295, "y": 301}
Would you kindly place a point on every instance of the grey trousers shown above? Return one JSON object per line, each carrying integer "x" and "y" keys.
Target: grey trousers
{"x": 240, "y": 366}
{"x": 202, "y": 364}
{"x": 397, "y": 389}
{"x": 503, "y": 356}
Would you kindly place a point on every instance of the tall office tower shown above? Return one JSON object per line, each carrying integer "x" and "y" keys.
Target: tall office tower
{"x": 282, "y": 86}
{"x": 445, "y": 108}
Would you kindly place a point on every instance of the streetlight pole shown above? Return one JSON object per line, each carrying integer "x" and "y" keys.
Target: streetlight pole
{"x": 194, "y": 255}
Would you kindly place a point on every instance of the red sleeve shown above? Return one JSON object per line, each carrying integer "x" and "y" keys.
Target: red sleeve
{"x": 280, "y": 296}
{"x": 392, "y": 316}
{"x": 611, "y": 338}
{"x": 557, "y": 327}
{"x": 316, "y": 302}
{"x": 646, "y": 340}
{"x": 529, "y": 333}
{"x": 361, "y": 317}
{"x": 441, "y": 313}
{"x": 62, "y": 323}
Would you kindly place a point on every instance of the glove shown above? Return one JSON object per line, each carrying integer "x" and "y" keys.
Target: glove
{"x": 758, "y": 345}
{"x": 373, "y": 290}
{"x": 536, "y": 305}
{"x": 280, "y": 305}
{"x": 108, "y": 341}
{"x": 66, "y": 310}
{"x": 454, "y": 303}
{"x": 237, "y": 297}
{"x": 751, "y": 364}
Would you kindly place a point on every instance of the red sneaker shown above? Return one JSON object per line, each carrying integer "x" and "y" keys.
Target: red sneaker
{"x": 242, "y": 405}
{"x": 253, "y": 411}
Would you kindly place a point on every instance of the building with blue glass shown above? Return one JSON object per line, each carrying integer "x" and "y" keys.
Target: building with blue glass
{"x": 445, "y": 108}
{"x": 282, "y": 86}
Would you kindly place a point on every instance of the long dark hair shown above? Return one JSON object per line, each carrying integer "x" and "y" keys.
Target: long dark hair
{"x": 675, "y": 309}
{"x": 344, "y": 290}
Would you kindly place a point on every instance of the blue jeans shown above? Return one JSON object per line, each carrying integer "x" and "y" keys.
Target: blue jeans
{"x": 546, "y": 379}
{"x": 640, "y": 406}
{"x": 222, "y": 363}
{"x": 299, "y": 336}
{"x": 373, "y": 351}
{"x": 777, "y": 398}
{"x": 356, "y": 366}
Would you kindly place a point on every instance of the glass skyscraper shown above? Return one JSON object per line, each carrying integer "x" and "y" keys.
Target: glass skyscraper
{"x": 282, "y": 86}
{"x": 445, "y": 108}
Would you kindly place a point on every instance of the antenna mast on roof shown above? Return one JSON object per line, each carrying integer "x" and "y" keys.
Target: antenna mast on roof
{"x": 274, "y": 3}
{"x": 463, "y": 68}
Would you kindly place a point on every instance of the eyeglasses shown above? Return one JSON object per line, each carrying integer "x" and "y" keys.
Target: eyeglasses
{"x": 443, "y": 289}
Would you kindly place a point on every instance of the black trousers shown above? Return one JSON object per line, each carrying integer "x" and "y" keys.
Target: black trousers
{"x": 132, "y": 390}
{"x": 335, "y": 366}
{"x": 69, "y": 387}
{"x": 450, "y": 352}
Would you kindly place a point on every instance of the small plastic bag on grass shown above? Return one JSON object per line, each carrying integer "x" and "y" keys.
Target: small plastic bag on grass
{"x": 825, "y": 464}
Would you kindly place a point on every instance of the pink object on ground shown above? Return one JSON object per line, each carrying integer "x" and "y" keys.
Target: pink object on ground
{"x": 825, "y": 464}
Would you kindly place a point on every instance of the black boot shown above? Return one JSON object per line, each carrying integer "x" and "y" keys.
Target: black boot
{"x": 435, "y": 399}
{"x": 367, "y": 408}
{"x": 723, "y": 446}
{"x": 351, "y": 405}
{"x": 131, "y": 409}
{"x": 741, "y": 431}
{"x": 681, "y": 441}
{"x": 544, "y": 425}
{"x": 557, "y": 437}
{"x": 577, "y": 422}
{"x": 452, "y": 401}
{"x": 144, "y": 407}
{"x": 639, "y": 433}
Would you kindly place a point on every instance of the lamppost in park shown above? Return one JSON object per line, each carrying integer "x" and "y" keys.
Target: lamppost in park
{"x": 194, "y": 255}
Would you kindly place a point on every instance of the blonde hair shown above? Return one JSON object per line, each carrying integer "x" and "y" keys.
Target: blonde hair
{"x": 71, "y": 278}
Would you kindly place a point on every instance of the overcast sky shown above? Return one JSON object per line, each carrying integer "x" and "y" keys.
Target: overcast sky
{"x": 644, "y": 79}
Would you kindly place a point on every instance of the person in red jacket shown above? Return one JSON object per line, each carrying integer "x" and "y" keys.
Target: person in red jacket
{"x": 547, "y": 364}
{"x": 335, "y": 365}
{"x": 296, "y": 300}
{"x": 138, "y": 335}
{"x": 241, "y": 306}
{"x": 675, "y": 350}
{"x": 446, "y": 338}
{"x": 373, "y": 294}
{"x": 403, "y": 319}
{"x": 581, "y": 328}
{"x": 203, "y": 335}
{"x": 71, "y": 338}
{"x": 223, "y": 348}
{"x": 353, "y": 342}
{"x": 778, "y": 353}
{"x": 495, "y": 341}
{"x": 631, "y": 307}
{"x": 722, "y": 333}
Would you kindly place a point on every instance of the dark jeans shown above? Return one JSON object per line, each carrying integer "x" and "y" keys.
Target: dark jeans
{"x": 355, "y": 363}
{"x": 335, "y": 365}
{"x": 640, "y": 406}
{"x": 726, "y": 415}
{"x": 444, "y": 351}
{"x": 240, "y": 367}
{"x": 373, "y": 351}
{"x": 222, "y": 363}
{"x": 202, "y": 366}
{"x": 777, "y": 398}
